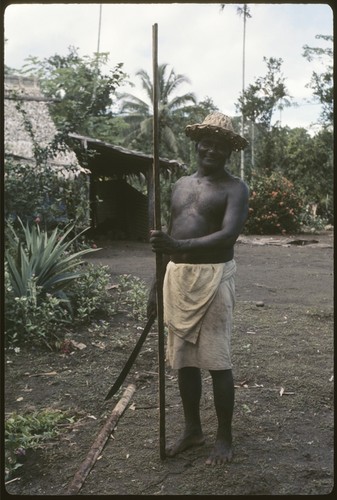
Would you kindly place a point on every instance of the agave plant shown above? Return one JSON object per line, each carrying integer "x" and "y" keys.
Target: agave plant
{"x": 44, "y": 259}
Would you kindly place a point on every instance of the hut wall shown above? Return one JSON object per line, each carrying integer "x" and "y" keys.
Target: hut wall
{"x": 123, "y": 211}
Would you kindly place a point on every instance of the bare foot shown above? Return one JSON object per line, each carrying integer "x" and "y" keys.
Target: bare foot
{"x": 186, "y": 441}
{"x": 222, "y": 453}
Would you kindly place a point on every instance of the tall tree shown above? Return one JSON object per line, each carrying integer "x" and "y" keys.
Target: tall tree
{"x": 242, "y": 11}
{"x": 308, "y": 162}
{"x": 138, "y": 112}
{"x": 322, "y": 82}
{"x": 267, "y": 94}
{"x": 82, "y": 91}
{"x": 259, "y": 101}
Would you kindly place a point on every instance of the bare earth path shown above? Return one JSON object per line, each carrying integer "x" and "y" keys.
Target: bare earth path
{"x": 283, "y": 369}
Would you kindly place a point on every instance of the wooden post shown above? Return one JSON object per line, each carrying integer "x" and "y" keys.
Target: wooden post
{"x": 100, "y": 441}
{"x": 159, "y": 258}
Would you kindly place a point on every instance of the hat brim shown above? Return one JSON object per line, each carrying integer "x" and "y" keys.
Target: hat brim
{"x": 195, "y": 132}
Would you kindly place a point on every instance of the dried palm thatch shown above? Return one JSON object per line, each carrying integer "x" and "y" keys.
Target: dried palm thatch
{"x": 17, "y": 140}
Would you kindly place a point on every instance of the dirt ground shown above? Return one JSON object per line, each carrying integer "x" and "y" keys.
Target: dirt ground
{"x": 283, "y": 368}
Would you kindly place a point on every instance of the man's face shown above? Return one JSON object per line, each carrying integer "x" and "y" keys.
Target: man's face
{"x": 213, "y": 152}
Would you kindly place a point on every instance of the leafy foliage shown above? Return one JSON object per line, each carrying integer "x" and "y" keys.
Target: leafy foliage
{"x": 258, "y": 103}
{"x": 54, "y": 199}
{"x": 29, "y": 432}
{"x": 30, "y": 318}
{"x": 35, "y": 303}
{"x": 38, "y": 274}
{"x": 322, "y": 82}
{"x": 45, "y": 260}
{"x": 138, "y": 113}
{"x": 259, "y": 100}
{"x": 83, "y": 91}
{"x": 89, "y": 294}
{"x": 274, "y": 206}
{"x": 132, "y": 294}
{"x": 307, "y": 162}
{"x": 58, "y": 195}
{"x": 46, "y": 321}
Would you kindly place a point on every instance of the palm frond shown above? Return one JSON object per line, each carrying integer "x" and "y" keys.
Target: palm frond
{"x": 181, "y": 101}
{"x": 146, "y": 82}
{"x": 170, "y": 139}
{"x": 138, "y": 114}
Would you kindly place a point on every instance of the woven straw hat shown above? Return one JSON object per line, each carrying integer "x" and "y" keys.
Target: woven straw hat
{"x": 220, "y": 125}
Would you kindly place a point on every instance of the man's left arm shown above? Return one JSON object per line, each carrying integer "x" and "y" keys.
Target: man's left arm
{"x": 236, "y": 213}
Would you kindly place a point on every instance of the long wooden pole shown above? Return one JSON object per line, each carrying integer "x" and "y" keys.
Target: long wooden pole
{"x": 159, "y": 257}
{"x": 100, "y": 441}
{"x": 242, "y": 165}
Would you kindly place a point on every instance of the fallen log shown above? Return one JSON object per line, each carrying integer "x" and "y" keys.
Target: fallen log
{"x": 100, "y": 441}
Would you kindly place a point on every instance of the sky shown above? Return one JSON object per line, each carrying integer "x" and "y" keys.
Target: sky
{"x": 198, "y": 40}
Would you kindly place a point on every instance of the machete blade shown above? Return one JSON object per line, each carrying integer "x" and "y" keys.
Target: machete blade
{"x": 132, "y": 357}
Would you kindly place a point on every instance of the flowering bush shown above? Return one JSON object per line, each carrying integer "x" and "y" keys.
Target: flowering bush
{"x": 274, "y": 206}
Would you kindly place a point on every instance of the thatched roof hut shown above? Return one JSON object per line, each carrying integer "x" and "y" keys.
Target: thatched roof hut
{"x": 117, "y": 209}
{"x": 24, "y": 93}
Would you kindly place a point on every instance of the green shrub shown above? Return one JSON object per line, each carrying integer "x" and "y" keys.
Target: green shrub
{"x": 274, "y": 206}
{"x": 49, "y": 290}
{"x": 131, "y": 296}
{"x": 89, "y": 294}
{"x": 32, "y": 191}
{"x": 44, "y": 319}
{"x": 37, "y": 277}
{"x": 309, "y": 223}
{"x": 31, "y": 317}
{"x": 29, "y": 432}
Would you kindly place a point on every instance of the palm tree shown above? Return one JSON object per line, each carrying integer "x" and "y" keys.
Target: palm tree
{"x": 138, "y": 113}
{"x": 242, "y": 11}
{"x": 246, "y": 14}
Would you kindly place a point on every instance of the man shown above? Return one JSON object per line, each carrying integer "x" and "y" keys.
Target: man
{"x": 208, "y": 211}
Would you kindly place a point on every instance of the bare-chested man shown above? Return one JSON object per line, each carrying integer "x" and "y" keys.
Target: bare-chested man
{"x": 208, "y": 211}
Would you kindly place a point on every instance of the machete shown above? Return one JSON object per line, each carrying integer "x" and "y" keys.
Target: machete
{"x": 123, "y": 374}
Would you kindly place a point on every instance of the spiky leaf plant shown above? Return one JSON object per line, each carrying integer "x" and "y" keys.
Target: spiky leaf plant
{"x": 44, "y": 258}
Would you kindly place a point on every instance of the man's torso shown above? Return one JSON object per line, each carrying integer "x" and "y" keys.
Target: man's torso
{"x": 198, "y": 208}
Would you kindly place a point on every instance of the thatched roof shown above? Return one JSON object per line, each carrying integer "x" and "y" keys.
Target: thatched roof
{"x": 17, "y": 141}
{"x": 108, "y": 160}
{"x": 115, "y": 161}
